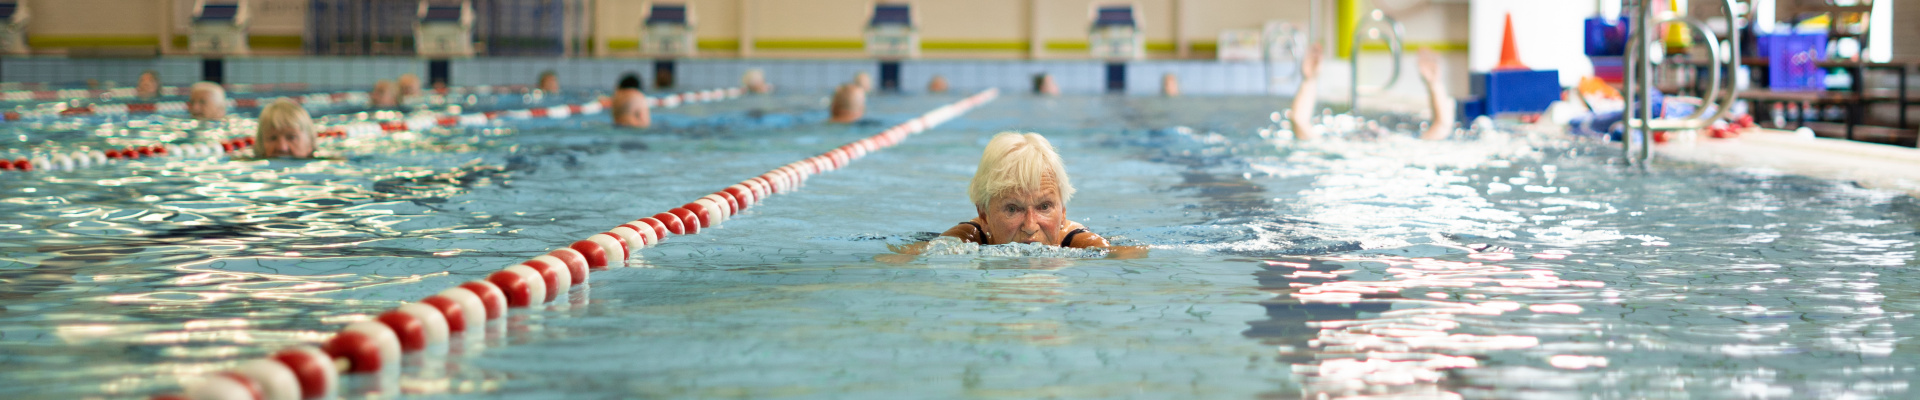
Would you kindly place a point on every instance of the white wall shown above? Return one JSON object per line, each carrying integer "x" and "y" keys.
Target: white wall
{"x": 1548, "y": 34}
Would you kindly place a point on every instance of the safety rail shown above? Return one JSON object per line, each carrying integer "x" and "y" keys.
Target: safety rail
{"x": 1365, "y": 30}
{"x": 1638, "y": 118}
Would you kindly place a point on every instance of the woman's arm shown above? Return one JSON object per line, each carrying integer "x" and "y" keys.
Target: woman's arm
{"x": 1443, "y": 106}
{"x": 1307, "y": 96}
{"x": 1093, "y": 240}
{"x": 965, "y": 232}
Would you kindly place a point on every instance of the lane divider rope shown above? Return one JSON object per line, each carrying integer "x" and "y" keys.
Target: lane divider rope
{"x": 375, "y": 345}
{"x": 360, "y": 98}
{"x": 19, "y": 93}
{"x": 236, "y": 142}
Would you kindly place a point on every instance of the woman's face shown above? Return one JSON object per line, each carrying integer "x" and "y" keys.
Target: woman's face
{"x": 1026, "y": 217}
{"x": 283, "y": 142}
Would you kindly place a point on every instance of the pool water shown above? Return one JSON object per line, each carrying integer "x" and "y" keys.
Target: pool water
{"x": 1508, "y": 265}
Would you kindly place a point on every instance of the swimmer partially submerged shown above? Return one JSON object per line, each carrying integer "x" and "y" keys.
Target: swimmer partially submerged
{"x": 1020, "y": 193}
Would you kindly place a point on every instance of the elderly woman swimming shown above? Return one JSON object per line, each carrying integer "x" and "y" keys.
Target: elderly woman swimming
{"x": 1020, "y": 194}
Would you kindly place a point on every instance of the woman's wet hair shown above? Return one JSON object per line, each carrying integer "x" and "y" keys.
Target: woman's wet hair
{"x": 629, "y": 81}
{"x": 284, "y": 113}
{"x": 1018, "y": 162}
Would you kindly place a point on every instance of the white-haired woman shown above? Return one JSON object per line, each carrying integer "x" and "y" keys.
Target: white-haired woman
{"x": 286, "y": 131}
{"x": 1020, "y": 194}
{"x": 207, "y": 101}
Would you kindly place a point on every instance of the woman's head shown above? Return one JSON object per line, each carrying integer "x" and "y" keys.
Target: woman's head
{"x": 1021, "y": 189}
{"x": 849, "y": 104}
{"x": 285, "y": 131}
{"x": 206, "y": 100}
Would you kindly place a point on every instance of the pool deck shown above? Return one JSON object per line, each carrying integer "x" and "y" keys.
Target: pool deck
{"x": 1872, "y": 165}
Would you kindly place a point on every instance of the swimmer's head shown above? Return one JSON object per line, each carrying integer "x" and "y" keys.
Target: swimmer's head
{"x": 849, "y": 104}
{"x": 937, "y": 85}
{"x": 549, "y": 82}
{"x": 629, "y": 81}
{"x": 864, "y": 81}
{"x": 755, "y": 81}
{"x": 630, "y": 108}
{"x": 1016, "y": 163}
{"x": 1043, "y": 85}
{"x": 1169, "y": 85}
{"x": 383, "y": 94}
{"x": 149, "y": 84}
{"x": 409, "y": 85}
{"x": 286, "y": 130}
{"x": 206, "y": 100}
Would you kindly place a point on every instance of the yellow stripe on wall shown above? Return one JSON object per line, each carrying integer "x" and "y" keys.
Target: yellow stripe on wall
{"x": 974, "y": 45}
{"x": 716, "y": 44}
{"x": 809, "y": 44}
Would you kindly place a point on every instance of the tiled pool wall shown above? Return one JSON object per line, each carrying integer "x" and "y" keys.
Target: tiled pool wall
{"x": 1073, "y": 76}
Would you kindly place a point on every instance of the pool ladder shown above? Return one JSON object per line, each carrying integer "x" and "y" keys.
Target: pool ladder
{"x": 1640, "y": 78}
{"x": 1368, "y": 28}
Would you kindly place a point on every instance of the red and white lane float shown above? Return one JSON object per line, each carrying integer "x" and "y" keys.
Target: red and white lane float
{"x": 374, "y": 345}
{"x": 39, "y": 94}
{"x": 176, "y": 107}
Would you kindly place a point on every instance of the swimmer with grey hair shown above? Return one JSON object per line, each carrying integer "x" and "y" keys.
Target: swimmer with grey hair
{"x": 207, "y": 101}
{"x": 755, "y": 81}
{"x": 409, "y": 85}
{"x": 383, "y": 95}
{"x": 864, "y": 81}
{"x": 286, "y": 131}
{"x": 1019, "y": 193}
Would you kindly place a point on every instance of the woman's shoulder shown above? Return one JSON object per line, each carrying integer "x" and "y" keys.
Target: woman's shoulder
{"x": 1081, "y": 237}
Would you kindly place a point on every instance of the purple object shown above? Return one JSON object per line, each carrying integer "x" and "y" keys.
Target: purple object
{"x": 1793, "y": 61}
{"x": 1606, "y": 38}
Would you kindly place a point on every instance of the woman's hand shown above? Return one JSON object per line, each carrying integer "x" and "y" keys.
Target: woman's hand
{"x": 1126, "y": 252}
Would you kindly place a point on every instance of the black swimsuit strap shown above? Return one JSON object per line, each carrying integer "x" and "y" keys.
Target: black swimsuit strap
{"x": 1069, "y": 241}
{"x": 976, "y": 227}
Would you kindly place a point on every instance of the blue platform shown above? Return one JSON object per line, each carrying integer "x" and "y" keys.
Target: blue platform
{"x": 1511, "y": 92}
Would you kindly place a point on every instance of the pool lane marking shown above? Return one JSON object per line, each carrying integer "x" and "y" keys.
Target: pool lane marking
{"x": 376, "y": 345}
{"x": 236, "y": 142}
{"x": 24, "y": 95}
{"x": 175, "y": 107}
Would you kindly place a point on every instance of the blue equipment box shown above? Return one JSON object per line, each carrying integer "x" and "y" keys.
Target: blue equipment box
{"x": 1502, "y": 92}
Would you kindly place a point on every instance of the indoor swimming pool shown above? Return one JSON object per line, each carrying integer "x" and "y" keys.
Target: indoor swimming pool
{"x": 1503, "y": 264}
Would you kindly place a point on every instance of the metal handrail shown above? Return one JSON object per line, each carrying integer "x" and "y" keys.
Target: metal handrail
{"x": 1640, "y": 80}
{"x": 1362, "y": 32}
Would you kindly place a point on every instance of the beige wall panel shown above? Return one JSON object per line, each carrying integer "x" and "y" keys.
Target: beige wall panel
{"x": 972, "y": 20}
{"x": 96, "y": 17}
{"x": 811, "y": 19}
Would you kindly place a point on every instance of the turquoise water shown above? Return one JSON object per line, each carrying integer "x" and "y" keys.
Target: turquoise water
{"x": 1497, "y": 266}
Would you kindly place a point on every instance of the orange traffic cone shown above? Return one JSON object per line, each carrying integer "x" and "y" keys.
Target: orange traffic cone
{"x": 1509, "y": 53}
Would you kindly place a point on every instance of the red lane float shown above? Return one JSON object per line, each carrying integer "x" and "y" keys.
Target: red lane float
{"x": 366, "y": 345}
{"x": 576, "y": 263}
{"x": 313, "y": 369}
{"x": 523, "y": 286}
{"x": 492, "y": 299}
{"x": 59, "y": 161}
